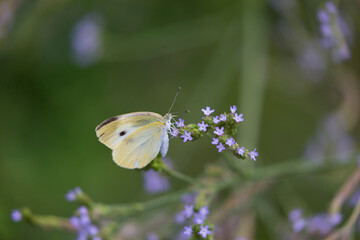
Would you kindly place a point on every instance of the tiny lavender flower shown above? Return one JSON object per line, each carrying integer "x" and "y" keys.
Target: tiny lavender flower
{"x": 207, "y": 111}
{"x": 253, "y": 154}
{"x": 216, "y": 119}
{"x": 219, "y": 131}
{"x": 174, "y": 132}
{"x": 230, "y": 142}
{"x": 204, "y": 211}
{"x": 186, "y": 136}
{"x": 198, "y": 219}
{"x": 154, "y": 182}
{"x": 238, "y": 118}
{"x": 83, "y": 225}
{"x": 188, "y": 211}
{"x": 187, "y": 231}
{"x": 223, "y": 117}
{"x": 297, "y": 220}
{"x": 233, "y": 109}
{"x": 220, "y": 147}
{"x": 215, "y": 141}
{"x": 204, "y": 231}
{"x": 241, "y": 151}
{"x": 86, "y": 39}
{"x": 323, "y": 223}
{"x": 180, "y": 218}
{"x": 152, "y": 236}
{"x": 72, "y": 194}
{"x": 180, "y": 123}
{"x": 203, "y": 126}
{"x": 16, "y": 215}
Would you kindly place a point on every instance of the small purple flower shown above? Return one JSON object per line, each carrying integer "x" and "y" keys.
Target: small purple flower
{"x": 241, "y": 151}
{"x": 73, "y": 194}
{"x": 295, "y": 214}
{"x": 354, "y": 198}
{"x": 152, "y": 236}
{"x": 93, "y": 230}
{"x": 16, "y": 215}
{"x": 215, "y": 141}
{"x": 322, "y": 224}
{"x": 83, "y": 211}
{"x": 297, "y": 220}
{"x": 330, "y": 6}
{"x": 203, "y": 126}
{"x": 204, "y": 211}
{"x": 198, "y": 218}
{"x": 253, "y": 154}
{"x": 204, "y": 231}
{"x": 84, "y": 220}
{"x": 220, "y": 147}
{"x": 70, "y": 196}
{"x": 207, "y": 111}
{"x": 187, "y": 231}
{"x": 299, "y": 225}
{"x": 230, "y": 142}
{"x": 233, "y": 109}
{"x": 219, "y": 131}
{"x": 154, "y": 182}
{"x": 223, "y": 117}
{"x": 335, "y": 219}
{"x": 216, "y": 119}
{"x": 174, "y": 132}
{"x": 75, "y": 221}
{"x": 186, "y": 136}
{"x": 323, "y": 16}
{"x": 188, "y": 210}
{"x": 180, "y": 218}
{"x": 238, "y": 118}
{"x": 240, "y": 238}
{"x": 180, "y": 123}
{"x": 188, "y": 198}
{"x": 86, "y": 39}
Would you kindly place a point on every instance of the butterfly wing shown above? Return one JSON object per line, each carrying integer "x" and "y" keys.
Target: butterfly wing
{"x": 135, "y": 138}
{"x": 142, "y": 146}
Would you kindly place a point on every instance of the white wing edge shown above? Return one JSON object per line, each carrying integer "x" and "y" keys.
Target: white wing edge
{"x": 164, "y": 143}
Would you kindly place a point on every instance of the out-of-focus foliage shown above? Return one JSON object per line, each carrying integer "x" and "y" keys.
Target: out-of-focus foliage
{"x": 65, "y": 66}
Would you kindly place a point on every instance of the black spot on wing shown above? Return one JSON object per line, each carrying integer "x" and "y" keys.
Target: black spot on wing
{"x": 101, "y": 135}
{"x": 106, "y": 122}
{"x": 122, "y": 133}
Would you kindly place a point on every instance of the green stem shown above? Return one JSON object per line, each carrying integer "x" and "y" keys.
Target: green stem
{"x": 234, "y": 167}
{"x": 125, "y": 210}
{"x": 181, "y": 176}
{"x": 46, "y": 221}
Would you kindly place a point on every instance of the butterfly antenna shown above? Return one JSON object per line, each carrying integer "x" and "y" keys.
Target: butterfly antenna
{"x": 174, "y": 99}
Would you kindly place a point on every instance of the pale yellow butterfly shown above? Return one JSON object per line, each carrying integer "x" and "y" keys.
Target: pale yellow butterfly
{"x": 136, "y": 138}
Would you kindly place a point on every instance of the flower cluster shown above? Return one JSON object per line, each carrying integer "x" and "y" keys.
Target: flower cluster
{"x": 194, "y": 217}
{"x": 332, "y": 34}
{"x": 319, "y": 225}
{"x": 221, "y": 127}
{"x": 82, "y": 223}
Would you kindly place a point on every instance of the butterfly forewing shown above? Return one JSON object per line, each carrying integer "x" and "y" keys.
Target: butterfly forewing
{"x": 113, "y": 131}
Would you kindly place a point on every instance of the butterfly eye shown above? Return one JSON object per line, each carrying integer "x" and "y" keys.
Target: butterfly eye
{"x": 122, "y": 133}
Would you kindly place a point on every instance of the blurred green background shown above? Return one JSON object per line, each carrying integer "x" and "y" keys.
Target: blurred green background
{"x": 65, "y": 66}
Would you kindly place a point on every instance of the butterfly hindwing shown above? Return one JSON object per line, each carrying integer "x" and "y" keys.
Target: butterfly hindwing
{"x": 140, "y": 147}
